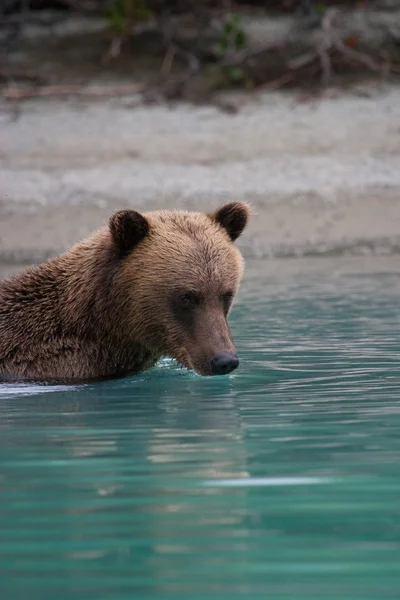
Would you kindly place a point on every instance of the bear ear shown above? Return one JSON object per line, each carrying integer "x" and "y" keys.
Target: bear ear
{"x": 233, "y": 217}
{"x": 128, "y": 228}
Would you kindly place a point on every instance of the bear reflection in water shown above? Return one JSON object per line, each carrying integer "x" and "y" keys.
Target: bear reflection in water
{"x": 151, "y": 285}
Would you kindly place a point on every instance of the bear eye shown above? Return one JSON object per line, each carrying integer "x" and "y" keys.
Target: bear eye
{"x": 227, "y": 300}
{"x": 188, "y": 300}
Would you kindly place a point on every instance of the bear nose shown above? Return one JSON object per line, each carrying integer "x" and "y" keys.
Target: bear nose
{"x": 223, "y": 363}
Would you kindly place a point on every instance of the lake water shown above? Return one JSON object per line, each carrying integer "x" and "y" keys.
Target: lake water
{"x": 279, "y": 481}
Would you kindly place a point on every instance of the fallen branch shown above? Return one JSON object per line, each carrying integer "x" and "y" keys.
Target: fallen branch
{"x": 276, "y": 84}
{"x": 332, "y": 42}
{"x": 20, "y": 93}
{"x": 168, "y": 60}
{"x": 305, "y": 54}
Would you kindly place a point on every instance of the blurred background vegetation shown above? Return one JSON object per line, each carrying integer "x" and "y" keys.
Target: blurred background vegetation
{"x": 190, "y": 48}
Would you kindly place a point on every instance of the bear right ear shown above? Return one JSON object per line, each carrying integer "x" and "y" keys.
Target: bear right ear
{"x": 128, "y": 228}
{"x": 233, "y": 217}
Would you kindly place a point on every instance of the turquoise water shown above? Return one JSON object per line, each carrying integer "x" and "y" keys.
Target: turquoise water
{"x": 279, "y": 481}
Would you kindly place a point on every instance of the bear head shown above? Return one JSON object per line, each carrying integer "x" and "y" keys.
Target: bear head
{"x": 179, "y": 273}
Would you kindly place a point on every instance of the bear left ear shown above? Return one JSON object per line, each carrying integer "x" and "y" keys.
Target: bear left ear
{"x": 128, "y": 228}
{"x": 233, "y": 217}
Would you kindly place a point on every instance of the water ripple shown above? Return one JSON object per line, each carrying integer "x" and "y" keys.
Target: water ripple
{"x": 280, "y": 481}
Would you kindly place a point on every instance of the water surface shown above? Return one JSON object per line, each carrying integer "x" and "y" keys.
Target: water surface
{"x": 279, "y": 481}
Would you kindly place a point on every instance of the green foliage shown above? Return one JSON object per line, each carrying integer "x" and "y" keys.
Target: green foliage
{"x": 219, "y": 76}
{"x": 233, "y": 36}
{"x": 122, "y": 14}
{"x": 320, "y": 8}
{"x": 233, "y": 39}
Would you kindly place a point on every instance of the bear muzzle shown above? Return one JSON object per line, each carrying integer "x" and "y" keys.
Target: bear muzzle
{"x": 210, "y": 349}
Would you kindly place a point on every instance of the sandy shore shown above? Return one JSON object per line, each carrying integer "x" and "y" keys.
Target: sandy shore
{"x": 323, "y": 176}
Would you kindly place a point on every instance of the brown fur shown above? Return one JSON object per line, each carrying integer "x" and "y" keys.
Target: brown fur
{"x": 111, "y": 305}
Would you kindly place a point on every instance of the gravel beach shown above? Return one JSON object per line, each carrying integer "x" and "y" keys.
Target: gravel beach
{"x": 323, "y": 175}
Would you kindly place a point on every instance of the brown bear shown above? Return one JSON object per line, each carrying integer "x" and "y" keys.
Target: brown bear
{"x": 147, "y": 286}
